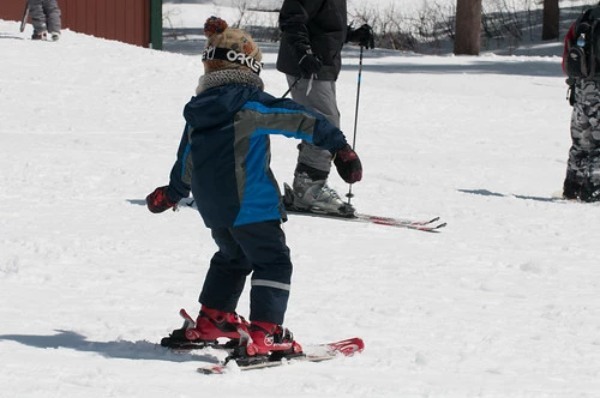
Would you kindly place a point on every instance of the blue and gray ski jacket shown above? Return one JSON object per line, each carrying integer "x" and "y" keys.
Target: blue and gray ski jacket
{"x": 224, "y": 155}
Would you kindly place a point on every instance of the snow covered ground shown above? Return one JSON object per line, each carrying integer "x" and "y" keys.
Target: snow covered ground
{"x": 502, "y": 303}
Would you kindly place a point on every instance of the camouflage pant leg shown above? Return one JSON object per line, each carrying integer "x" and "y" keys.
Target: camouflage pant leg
{"x": 584, "y": 154}
{"x": 38, "y": 18}
{"x": 52, "y": 16}
{"x": 45, "y": 15}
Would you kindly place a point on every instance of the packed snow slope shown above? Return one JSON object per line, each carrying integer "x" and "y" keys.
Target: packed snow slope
{"x": 502, "y": 303}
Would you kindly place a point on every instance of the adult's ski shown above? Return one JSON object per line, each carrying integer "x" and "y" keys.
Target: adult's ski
{"x": 427, "y": 225}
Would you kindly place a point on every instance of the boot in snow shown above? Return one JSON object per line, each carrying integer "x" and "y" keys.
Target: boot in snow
{"x": 39, "y": 35}
{"x": 317, "y": 197}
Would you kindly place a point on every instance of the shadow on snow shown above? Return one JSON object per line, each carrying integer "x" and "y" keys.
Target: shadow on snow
{"x": 485, "y": 192}
{"x": 112, "y": 349}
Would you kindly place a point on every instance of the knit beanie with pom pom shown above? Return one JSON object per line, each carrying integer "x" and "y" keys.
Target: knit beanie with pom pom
{"x": 228, "y": 48}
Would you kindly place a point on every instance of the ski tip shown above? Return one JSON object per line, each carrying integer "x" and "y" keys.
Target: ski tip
{"x": 355, "y": 345}
{"x": 348, "y": 347}
{"x": 436, "y": 228}
{"x": 430, "y": 228}
{"x": 212, "y": 369}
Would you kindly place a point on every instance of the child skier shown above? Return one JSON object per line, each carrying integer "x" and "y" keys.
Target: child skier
{"x": 223, "y": 158}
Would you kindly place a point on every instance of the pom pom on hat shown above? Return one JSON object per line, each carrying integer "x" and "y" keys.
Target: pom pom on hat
{"x": 228, "y": 48}
{"x": 214, "y": 25}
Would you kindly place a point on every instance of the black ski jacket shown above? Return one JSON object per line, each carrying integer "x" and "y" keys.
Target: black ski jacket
{"x": 318, "y": 25}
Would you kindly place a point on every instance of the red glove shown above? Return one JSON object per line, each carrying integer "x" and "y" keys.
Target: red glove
{"x": 348, "y": 165}
{"x": 158, "y": 201}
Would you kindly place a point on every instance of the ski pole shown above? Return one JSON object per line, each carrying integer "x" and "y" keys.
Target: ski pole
{"x": 291, "y": 87}
{"x": 350, "y": 195}
{"x": 25, "y": 17}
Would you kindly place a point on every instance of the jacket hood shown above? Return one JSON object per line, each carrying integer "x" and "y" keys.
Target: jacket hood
{"x": 214, "y": 107}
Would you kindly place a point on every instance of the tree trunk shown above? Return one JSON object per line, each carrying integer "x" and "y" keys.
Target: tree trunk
{"x": 551, "y": 20}
{"x": 468, "y": 27}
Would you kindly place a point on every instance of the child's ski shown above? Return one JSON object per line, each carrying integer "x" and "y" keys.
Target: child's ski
{"x": 319, "y": 353}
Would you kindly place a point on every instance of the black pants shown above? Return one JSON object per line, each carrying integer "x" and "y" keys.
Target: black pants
{"x": 259, "y": 249}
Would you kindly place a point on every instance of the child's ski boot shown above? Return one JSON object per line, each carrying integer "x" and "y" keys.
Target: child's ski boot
{"x": 210, "y": 326}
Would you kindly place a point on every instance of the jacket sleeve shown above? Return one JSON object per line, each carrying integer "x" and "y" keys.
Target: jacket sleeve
{"x": 568, "y": 37}
{"x": 288, "y": 118}
{"x": 293, "y": 21}
{"x": 181, "y": 174}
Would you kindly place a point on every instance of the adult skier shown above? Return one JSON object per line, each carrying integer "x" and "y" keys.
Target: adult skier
{"x": 313, "y": 33}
